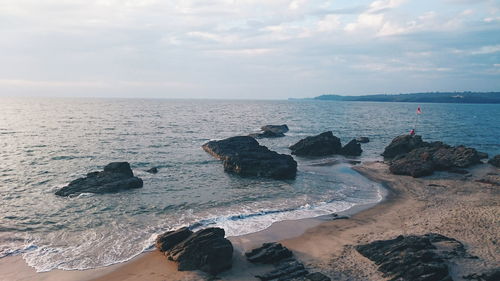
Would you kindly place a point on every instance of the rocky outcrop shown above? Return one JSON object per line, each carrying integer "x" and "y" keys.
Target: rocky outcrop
{"x": 117, "y": 176}
{"x": 363, "y": 140}
{"x": 317, "y": 276}
{"x": 153, "y": 170}
{"x": 423, "y": 258}
{"x": 352, "y": 148}
{"x": 244, "y": 156}
{"x": 321, "y": 145}
{"x": 434, "y": 156}
{"x": 495, "y": 161}
{"x": 206, "y": 250}
{"x": 271, "y": 131}
{"x": 402, "y": 144}
{"x": 285, "y": 270}
{"x": 269, "y": 253}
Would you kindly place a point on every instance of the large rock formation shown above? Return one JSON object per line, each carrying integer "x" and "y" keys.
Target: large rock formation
{"x": 321, "y": 145}
{"x": 206, "y": 250}
{"x": 402, "y": 144}
{"x": 245, "y": 157}
{"x": 117, "y": 176}
{"x": 495, "y": 161}
{"x": 352, "y": 148}
{"x": 271, "y": 131}
{"x": 412, "y": 257}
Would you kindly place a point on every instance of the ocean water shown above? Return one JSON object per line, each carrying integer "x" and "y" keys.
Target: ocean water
{"x": 46, "y": 143}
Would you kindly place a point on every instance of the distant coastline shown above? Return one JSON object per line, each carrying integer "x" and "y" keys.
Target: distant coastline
{"x": 431, "y": 97}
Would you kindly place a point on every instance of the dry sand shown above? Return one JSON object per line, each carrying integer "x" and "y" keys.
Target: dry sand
{"x": 453, "y": 205}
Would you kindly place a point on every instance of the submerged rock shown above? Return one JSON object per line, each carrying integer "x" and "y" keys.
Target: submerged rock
{"x": 244, "y": 156}
{"x": 495, "y": 161}
{"x": 117, "y": 176}
{"x": 266, "y": 134}
{"x": 153, "y": 170}
{"x": 352, "y": 148}
{"x": 402, "y": 144}
{"x": 271, "y": 131}
{"x": 363, "y": 140}
{"x": 414, "y": 257}
{"x": 320, "y": 145}
{"x": 206, "y": 250}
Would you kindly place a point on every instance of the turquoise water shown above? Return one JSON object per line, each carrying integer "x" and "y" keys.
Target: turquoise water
{"x": 48, "y": 142}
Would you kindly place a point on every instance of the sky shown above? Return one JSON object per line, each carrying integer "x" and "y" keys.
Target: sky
{"x": 247, "y": 49}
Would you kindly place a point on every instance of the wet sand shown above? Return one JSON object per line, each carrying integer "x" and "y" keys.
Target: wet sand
{"x": 454, "y": 205}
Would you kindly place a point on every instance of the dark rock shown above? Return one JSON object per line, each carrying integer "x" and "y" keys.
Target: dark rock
{"x": 417, "y": 163}
{"x": 277, "y": 129}
{"x": 153, "y": 170}
{"x": 318, "y": 276}
{"x": 168, "y": 240}
{"x": 363, "y": 140}
{"x": 414, "y": 257}
{"x": 285, "y": 270}
{"x": 206, "y": 250}
{"x": 495, "y": 161}
{"x": 493, "y": 275}
{"x": 245, "y": 157}
{"x": 482, "y": 155}
{"x": 321, "y": 145}
{"x": 458, "y": 171}
{"x": 402, "y": 144}
{"x": 266, "y": 134}
{"x": 269, "y": 253}
{"x": 117, "y": 176}
{"x": 352, "y": 148}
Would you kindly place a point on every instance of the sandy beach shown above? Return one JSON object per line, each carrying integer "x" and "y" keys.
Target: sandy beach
{"x": 454, "y": 205}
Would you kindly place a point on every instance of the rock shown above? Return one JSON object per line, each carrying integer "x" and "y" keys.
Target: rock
{"x": 352, "y": 148}
{"x": 244, "y": 156}
{"x": 413, "y": 257}
{"x": 458, "y": 171}
{"x": 317, "y": 276}
{"x": 402, "y": 144}
{"x": 206, "y": 250}
{"x": 153, "y": 170}
{"x": 482, "y": 155}
{"x": 168, "y": 240}
{"x": 321, "y": 145}
{"x": 495, "y": 161}
{"x": 266, "y": 134}
{"x": 117, "y": 176}
{"x": 277, "y": 129}
{"x": 363, "y": 140}
{"x": 417, "y": 163}
{"x": 269, "y": 253}
{"x": 285, "y": 270}
{"x": 492, "y": 275}
{"x": 446, "y": 157}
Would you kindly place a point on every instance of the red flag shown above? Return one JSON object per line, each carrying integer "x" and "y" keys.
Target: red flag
{"x": 418, "y": 110}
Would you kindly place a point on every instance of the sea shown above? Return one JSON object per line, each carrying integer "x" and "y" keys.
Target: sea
{"x": 47, "y": 142}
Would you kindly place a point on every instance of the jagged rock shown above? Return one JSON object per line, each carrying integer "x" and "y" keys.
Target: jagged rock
{"x": 495, "y": 161}
{"x": 413, "y": 257}
{"x": 352, "y": 148}
{"x": 206, "y": 250}
{"x": 320, "y": 145}
{"x": 168, "y": 240}
{"x": 402, "y": 144}
{"x": 244, "y": 156}
{"x": 493, "y": 275}
{"x": 153, "y": 170}
{"x": 429, "y": 157}
{"x": 285, "y": 270}
{"x": 269, "y": 253}
{"x": 318, "y": 276}
{"x": 277, "y": 129}
{"x": 117, "y": 176}
{"x": 363, "y": 140}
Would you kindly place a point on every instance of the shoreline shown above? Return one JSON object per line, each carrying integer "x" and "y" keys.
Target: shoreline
{"x": 410, "y": 206}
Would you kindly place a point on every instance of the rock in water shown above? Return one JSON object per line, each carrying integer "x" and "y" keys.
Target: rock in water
{"x": 277, "y": 129}
{"x": 352, "y": 148}
{"x": 244, "y": 156}
{"x": 206, "y": 250}
{"x": 363, "y": 140}
{"x": 495, "y": 161}
{"x": 269, "y": 253}
{"x": 321, "y": 145}
{"x": 412, "y": 257}
{"x": 117, "y": 176}
{"x": 402, "y": 144}
{"x": 153, "y": 170}
{"x": 266, "y": 134}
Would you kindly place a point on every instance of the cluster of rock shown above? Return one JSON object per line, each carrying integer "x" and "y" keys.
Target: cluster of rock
{"x": 410, "y": 155}
{"x": 495, "y": 161}
{"x": 206, "y": 250}
{"x": 117, "y": 176}
{"x": 244, "y": 156}
{"x": 271, "y": 131}
{"x": 423, "y": 258}
{"x": 286, "y": 267}
{"x": 325, "y": 144}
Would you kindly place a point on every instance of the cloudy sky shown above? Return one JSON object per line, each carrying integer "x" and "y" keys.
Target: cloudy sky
{"x": 265, "y": 49}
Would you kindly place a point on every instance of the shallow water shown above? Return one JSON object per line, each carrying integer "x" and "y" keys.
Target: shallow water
{"x": 48, "y": 142}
